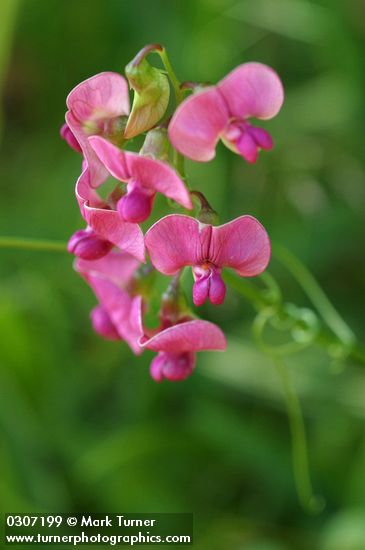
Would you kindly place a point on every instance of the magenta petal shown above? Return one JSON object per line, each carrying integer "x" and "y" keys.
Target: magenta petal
{"x": 107, "y": 223}
{"x": 262, "y": 138}
{"x": 97, "y": 172}
{"x": 87, "y": 245}
{"x": 152, "y": 174}
{"x": 247, "y": 147}
{"x": 102, "y": 96}
{"x": 200, "y": 291}
{"x": 91, "y": 104}
{"x": 186, "y": 337}
{"x": 172, "y": 367}
{"x": 68, "y": 136}
{"x": 135, "y": 206}
{"x": 173, "y": 242}
{"x": 122, "y": 309}
{"x": 241, "y": 244}
{"x": 217, "y": 289}
{"x": 158, "y": 176}
{"x": 111, "y": 156}
{"x": 102, "y": 323}
{"x": 197, "y": 124}
{"x": 85, "y": 194}
{"x": 252, "y": 90}
{"x": 118, "y": 267}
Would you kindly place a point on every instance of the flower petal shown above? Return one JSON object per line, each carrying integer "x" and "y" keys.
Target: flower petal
{"x": 102, "y": 323}
{"x": 173, "y": 242}
{"x": 172, "y": 367}
{"x": 97, "y": 99}
{"x": 97, "y": 172}
{"x": 118, "y": 267}
{"x": 185, "y": 337}
{"x": 85, "y": 193}
{"x": 262, "y": 138}
{"x": 197, "y": 123}
{"x": 123, "y": 309}
{"x": 241, "y": 244}
{"x": 102, "y": 96}
{"x": 247, "y": 147}
{"x": 107, "y": 223}
{"x": 252, "y": 90}
{"x": 153, "y": 174}
{"x": 111, "y": 156}
{"x": 159, "y": 176}
{"x": 68, "y": 136}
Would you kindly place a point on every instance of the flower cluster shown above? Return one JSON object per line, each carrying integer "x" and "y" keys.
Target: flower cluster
{"x": 113, "y": 254}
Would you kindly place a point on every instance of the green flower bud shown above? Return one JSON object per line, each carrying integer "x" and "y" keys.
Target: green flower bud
{"x": 151, "y": 96}
{"x": 156, "y": 145}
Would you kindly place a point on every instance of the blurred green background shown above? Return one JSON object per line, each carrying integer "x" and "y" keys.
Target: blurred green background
{"x": 83, "y": 427}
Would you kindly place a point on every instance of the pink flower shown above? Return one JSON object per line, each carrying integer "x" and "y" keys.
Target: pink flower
{"x": 177, "y": 241}
{"x": 177, "y": 347}
{"x": 144, "y": 177}
{"x": 105, "y": 223}
{"x": 119, "y": 313}
{"x": 222, "y": 112}
{"x": 95, "y": 108}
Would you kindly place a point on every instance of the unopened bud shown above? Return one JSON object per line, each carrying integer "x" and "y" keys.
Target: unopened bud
{"x": 151, "y": 93}
{"x": 156, "y": 145}
{"x": 87, "y": 245}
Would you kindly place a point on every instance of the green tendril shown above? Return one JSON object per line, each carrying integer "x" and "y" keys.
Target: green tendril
{"x": 316, "y": 295}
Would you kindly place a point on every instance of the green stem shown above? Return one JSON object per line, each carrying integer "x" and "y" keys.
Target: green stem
{"x": 178, "y": 159}
{"x": 32, "y": 244}
{"x": 300, "y": 460}
{"x": 315, "y": 294}
{"x": 179, "y": 93}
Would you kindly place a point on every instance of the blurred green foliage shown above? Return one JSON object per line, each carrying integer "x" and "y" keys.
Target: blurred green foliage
{"x": 83, "y": 426}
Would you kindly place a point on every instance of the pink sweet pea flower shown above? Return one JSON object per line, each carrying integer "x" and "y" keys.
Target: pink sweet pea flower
{"x": 177, "y": 347}
{"x": 176, "y": 241}
{"x": 95, "y": 107}
{"x": 222, "y": 112}
{"x": 144, "y": 177}
{"x": 119, "y": 313}
{"x": 104, "y": 226}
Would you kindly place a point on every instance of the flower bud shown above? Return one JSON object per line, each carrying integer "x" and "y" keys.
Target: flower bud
{"x": 151, "y": 94}
{"x": 135, "y": 206}
{"x": 172, "y": 366}
{"x": 87, "y": 245}
{"x": 156, "y": 145}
